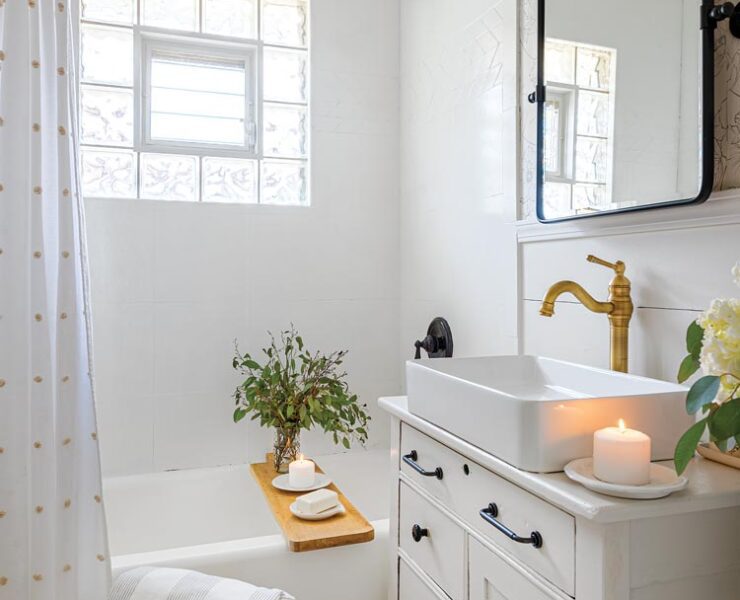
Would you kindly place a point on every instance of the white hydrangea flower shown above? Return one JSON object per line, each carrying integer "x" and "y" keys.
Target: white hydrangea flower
{"x": 721, "y": 347}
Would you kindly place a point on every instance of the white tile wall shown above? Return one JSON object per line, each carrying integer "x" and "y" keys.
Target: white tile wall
{"x": 458, "y": 172}
{"x": 175, "y": 283}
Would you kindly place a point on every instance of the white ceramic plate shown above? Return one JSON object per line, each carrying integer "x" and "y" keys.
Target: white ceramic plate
{"x": 282, "y": 482}
{"x": 329, "y": 512}
{"x": 663, "y": 481}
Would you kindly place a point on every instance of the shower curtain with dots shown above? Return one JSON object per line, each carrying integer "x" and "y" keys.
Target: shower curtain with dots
{"x": 53, "y": 543}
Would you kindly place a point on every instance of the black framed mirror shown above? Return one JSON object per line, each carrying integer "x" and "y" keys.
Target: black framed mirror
{"x": 625, "y": 105}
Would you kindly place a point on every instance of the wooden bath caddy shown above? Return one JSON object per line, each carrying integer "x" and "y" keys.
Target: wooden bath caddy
{"x": 302, "y": 536}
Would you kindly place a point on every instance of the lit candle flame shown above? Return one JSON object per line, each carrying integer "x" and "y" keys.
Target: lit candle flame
{"x": 301, "y": 457}
{"x": 622, "y": 426}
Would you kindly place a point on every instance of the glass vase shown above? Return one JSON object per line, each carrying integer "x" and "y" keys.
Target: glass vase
{"x": 286, "y": 448}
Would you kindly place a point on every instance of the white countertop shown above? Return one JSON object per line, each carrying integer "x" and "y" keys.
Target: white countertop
{"x": 711, "y": 485}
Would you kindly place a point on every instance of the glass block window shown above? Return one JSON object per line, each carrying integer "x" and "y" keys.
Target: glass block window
{"x": 195, "y": 100}
{"x": 578, "y": 126}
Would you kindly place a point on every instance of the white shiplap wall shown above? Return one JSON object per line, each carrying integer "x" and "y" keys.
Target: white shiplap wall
{"x": 677, "y": 259}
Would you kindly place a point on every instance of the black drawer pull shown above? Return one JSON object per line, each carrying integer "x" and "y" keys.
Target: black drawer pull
{"x": 418, "y": 532}
{"x": 411, "y": 458}
{"x": 489, "y": 515}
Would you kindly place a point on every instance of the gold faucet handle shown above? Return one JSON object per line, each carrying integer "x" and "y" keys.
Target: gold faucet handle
{"x": 618, "y": 267}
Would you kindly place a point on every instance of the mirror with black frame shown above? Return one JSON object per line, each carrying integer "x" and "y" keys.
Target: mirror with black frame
{"x": 625, "y": 97}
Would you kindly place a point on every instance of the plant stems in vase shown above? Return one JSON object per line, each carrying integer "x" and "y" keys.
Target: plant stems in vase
{"x": 295, "y": 389}
{"x": 286, "y": 448}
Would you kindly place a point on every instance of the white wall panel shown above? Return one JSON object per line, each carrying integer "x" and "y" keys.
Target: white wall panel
{"x": 175, "y": 283}
{"x": 674, "y": 273}
{"x": 458, "y": 172}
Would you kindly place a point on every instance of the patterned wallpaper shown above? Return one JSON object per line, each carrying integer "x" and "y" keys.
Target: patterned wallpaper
{"x": 727, "y": 108}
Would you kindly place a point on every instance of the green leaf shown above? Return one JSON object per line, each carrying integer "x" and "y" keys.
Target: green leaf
{"x": 694, "y": 339}
{"x": 725, "y": 422}
{"x": 345, "y": 443}
{"x": 702, "y": 392}
{"x": 688, "y": 367}
{"x": 251, "y": 364}
{"x": 687, "y": 446}
{"x": 239, "y": 414}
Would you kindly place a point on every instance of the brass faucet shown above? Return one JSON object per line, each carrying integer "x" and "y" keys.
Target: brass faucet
{"x": 619, "y": 308}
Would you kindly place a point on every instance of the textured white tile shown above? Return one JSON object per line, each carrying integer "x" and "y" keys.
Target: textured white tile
{"x": 356, "y": 36}
{"x": 125, "y": 430}
{"x": 120, "y": 236}
{"x": 196, "y": 430}
{"x": 212, "y": 273}
{"x": 123, "y": 347}
{"x": 200, "y": 252}
{"x": 194, "y": 346}
{"x": 458, "y": 184}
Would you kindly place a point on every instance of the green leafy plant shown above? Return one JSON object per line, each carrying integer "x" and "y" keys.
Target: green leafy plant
{"x": 295, "y": 389}
{"x": 713, "y": 345}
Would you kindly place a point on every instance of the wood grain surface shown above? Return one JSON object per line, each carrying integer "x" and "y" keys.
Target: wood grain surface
{"x": 303, "y": 536}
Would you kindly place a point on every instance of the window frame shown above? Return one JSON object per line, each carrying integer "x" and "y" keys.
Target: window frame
{"x": 251, "y": 49}
{"x": 146, "y": 42}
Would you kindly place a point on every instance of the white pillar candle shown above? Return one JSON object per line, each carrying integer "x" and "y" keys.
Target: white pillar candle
{"x": 301, "y": 473}
{"x": 622, "y": 455}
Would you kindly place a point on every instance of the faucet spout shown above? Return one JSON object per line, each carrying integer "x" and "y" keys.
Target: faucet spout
{"x": 561, "y": 287}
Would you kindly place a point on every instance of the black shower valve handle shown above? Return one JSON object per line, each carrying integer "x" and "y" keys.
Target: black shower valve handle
{"x": 438, "y": 340}
{"x": 429, "y": 343}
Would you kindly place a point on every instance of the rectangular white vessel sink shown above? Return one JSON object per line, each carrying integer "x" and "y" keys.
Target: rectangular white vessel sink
{"x": 537, "y": 413}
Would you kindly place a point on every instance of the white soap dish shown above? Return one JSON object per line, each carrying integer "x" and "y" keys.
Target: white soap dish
{"x": 282, "y": 482}
{"x": 663, "y": 481}
{"x": 326, "y": 514}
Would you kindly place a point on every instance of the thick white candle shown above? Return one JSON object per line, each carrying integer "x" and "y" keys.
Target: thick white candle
{"x": 622, "y": 455}
{"x": 301, "y": 473}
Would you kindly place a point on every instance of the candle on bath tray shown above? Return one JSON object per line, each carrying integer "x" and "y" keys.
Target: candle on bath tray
{"x": 301, "y": 472}
{"x": 622, "y": 455}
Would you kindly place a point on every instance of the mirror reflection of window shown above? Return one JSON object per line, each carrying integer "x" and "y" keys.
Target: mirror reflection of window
{"x": 579, "y": 127}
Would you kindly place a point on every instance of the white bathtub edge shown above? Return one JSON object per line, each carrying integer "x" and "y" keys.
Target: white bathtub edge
{"x": 209, "y": 557}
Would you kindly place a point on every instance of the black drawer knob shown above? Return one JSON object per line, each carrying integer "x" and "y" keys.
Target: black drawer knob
{"x": 418, "y": 532}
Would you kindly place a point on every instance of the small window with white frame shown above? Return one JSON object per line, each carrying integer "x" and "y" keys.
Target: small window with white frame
{"x": 195, "y": 100}
{"x": 578, "y": 126}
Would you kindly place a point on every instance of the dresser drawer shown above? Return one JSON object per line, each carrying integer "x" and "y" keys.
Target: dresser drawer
{"x": 433, "y": 541}
{"x": 411, "y": 587}
{"x": 467, "y": 489}
{"x": 491, "y": 577}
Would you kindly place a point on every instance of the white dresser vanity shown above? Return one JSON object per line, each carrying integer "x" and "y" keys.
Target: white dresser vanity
{"x": 451, "y": 529}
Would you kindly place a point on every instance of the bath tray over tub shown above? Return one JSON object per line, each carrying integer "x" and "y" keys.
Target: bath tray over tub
{"x": 302, "y": 536}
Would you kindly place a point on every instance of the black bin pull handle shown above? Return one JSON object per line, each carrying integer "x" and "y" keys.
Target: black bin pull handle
{"x": 418, "y": 532}
{"x": 411, "y": 458}
{"x": 489, "y": 515}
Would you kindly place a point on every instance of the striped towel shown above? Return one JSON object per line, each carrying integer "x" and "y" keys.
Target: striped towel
{"x": 150, "y": 583}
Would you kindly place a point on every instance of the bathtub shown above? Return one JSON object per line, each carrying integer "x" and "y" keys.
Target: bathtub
{"x": 217, "y": 521}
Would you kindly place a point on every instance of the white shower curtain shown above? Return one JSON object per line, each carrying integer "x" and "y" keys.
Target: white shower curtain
{"x": 53, "y": 543}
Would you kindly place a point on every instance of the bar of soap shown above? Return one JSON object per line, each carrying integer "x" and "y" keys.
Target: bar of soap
{"x": 316, "y": 502}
